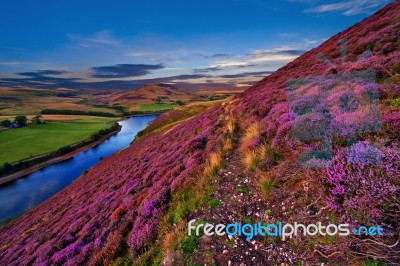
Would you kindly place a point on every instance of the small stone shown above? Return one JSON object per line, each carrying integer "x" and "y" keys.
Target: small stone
{"x": 225, "y": 251}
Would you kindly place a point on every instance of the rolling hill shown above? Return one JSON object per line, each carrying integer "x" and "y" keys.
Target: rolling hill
{"x": 150, "y": 97}
{"x": 239, "y": 162}
{"x": 157, "y": 96}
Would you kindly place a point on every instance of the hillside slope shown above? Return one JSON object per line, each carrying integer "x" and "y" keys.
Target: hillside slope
{"x": 147, "y": 94}
{"x": 235, "y": 162}
{"x": 158, "y": 96}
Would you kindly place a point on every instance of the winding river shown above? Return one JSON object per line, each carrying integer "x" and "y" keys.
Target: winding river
{"x": 27, "y": 192}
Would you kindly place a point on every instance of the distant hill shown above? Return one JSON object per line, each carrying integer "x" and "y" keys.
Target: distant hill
{"x": 153, "y": 95}
{"x": 238, "y": 162}
{"x": 150, "y": 97}
{"x": 147, "y": 94}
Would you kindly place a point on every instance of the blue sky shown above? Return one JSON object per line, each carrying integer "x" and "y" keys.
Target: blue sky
{"x": 123, "y": 44}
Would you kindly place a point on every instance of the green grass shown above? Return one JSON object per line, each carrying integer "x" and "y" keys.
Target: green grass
{"x": 33, "y": 140}
{"x": 395, "y": 102}
{"x": 214, "y": 203}
{"x": 243, "y": 188}
{"x": 267, "y": 186}
{"x": 156, "y": 106}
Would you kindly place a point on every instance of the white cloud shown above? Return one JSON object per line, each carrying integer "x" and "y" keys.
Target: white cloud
{"x": 10, "y": 63}
{"x": 349, "y": 8}
{"x": 101, "y": 38}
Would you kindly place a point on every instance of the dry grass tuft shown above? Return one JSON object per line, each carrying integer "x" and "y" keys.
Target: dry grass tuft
{"x": 254, "y": 157}
{"x": 213, "y": 162}
{"x": 227, "y": 144}
{"x": 250, "y": 134}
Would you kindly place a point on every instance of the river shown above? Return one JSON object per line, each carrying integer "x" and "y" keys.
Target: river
{"x": 20, "y": 195}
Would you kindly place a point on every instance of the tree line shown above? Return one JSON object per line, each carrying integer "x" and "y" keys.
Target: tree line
{"x": 76, "y": 112}
{"x": 21, "y": 121}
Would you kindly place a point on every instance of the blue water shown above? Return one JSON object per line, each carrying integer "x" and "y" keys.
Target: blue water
{"x": 27, "y": 192}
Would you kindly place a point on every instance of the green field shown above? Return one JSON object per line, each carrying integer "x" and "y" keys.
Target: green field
{"x": 20, "y": 143}
{"x": 156, "y": 106}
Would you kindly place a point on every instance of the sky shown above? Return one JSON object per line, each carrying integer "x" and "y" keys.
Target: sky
{"x": 124, "y": 44}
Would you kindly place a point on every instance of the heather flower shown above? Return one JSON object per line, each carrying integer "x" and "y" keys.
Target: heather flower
{"x": 68, "y": 252}
{"x": 254, "y": 143}
{"x": 365, "y": 190}
{"x": 387, "y": 48}
{"x": 364, "y": 153}
{"x": 142, "y": 233}
{"x": 198, "y": 143}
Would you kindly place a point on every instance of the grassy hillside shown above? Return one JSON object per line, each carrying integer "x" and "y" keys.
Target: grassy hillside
{"x": 155, "y": 106}
{"x": 237, "y": 162}
{"x": 172, "y": 118}
{"x": 32, "y": 101}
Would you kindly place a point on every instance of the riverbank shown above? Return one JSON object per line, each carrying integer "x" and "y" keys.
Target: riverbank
{"x": 29, "y": 170}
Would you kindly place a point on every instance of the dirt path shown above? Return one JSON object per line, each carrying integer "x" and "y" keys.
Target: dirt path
{"x": 241, "y": 201}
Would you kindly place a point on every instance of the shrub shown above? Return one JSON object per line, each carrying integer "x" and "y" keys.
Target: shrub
{"x": 367, "y": 191}
{"x": 64, "y": 150}
{"x": 5, "y": 123}
{"x": 199, "y": 143}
